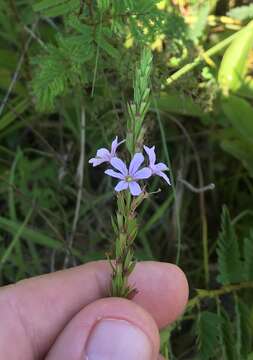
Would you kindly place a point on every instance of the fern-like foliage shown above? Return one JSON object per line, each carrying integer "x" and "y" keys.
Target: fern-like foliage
{"x": 248, "y": 257}
{"x": 227, "y": 338}
{"x": 60, "y": 69}
{"x": 208, "y": 329}
{"x": 143, "y": 17}
{"x": 93, "y": 35}
{"x": 229, "y": 262}
{"x": 52, "y": 8}
{"x": 241, "y": 12}
{"x": 243, "y": 329}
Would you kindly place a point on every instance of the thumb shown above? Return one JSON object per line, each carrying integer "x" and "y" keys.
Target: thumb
{"x": 108, "y": 329}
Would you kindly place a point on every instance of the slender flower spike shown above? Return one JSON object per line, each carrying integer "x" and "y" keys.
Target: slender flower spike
{"x": 104, "y": 155}
{"x": 129, "y": 177}
{"x": 156, "y": 169}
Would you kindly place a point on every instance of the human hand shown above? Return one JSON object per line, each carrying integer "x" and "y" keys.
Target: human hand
{"x": 66, "y": 315}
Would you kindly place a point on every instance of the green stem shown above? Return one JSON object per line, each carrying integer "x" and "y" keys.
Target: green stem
{"x": 203, "y": 294}
{"x": 205, "y": 249}
{"x": 201, "y": 58}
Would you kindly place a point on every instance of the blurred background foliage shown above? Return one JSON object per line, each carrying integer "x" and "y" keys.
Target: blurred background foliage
{"x": 60, "y": 59}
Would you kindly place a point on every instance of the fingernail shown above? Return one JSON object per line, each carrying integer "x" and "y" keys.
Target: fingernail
{"x": 118, "y": 340}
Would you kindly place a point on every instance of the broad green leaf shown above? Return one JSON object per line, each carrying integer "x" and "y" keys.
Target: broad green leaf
{"x": 177, "y": 103}
{"x": 240, "y": 149}
{"x": 240, "y": 114}
{"x": 233, "y": 67}
{"x": 246, "y": 89}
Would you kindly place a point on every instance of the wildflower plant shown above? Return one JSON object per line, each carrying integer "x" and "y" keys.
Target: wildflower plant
{"x": 132, "y": 186}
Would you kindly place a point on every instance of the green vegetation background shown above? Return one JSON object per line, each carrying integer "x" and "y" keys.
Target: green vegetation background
{"x": 63, "y": 59}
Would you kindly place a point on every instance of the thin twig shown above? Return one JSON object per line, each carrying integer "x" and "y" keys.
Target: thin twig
{"x": 17, "y": 71}
{"x": 80, "y": 172}
{"x": 35, "y": 37}
{"x": 50, "y": 22}
{"x": 194, "y": 189}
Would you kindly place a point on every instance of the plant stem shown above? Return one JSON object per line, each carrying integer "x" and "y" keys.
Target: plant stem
{"x": 201, "y": 58}
{"x": 126, "y": 229}
{"x": 203, "y": 294}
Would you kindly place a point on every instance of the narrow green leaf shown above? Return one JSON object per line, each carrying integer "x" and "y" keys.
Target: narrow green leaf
{"x": 45, "y": 4}
{"x": 11, "y": 116}
{"x": 106, "y": 46}
{"x": 56, "y": 8}
{"x": 35, "y": 236}
{"x": 16, "y": 238}
{"x": 233, "y": 66}
{"x": 157, "y": 215}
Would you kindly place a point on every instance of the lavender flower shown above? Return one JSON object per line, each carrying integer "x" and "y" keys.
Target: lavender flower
{"x": 104, "y": 155}
{"x": 156, "y": 169}
{"x": 129, "y": 177}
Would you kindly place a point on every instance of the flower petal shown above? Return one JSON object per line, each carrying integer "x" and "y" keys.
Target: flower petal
{"x": 96, "y": 162}
{"x": 114, "y": 146}
{"x": 160, "y": 167}
{"x": 135, "y": 189}
{"x": 103, "y": 154}
{"x": 164, "y": 176}
{"x": 151, "y": 154}
{"x": 114, "y": 174}
{"x": 119, "y": 165}
{"x": 122, "y": 185}
{"x": 135, "y": 163}
{"x": 144, "y": 173}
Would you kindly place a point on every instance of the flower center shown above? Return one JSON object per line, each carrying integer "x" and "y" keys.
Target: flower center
{"x": 129, "y": 178}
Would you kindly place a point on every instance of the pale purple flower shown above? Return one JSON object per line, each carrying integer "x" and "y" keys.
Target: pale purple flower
{"x": 104, "y": 155}
{"x": 129, "y": 177}
{"x": 156, "y": 169}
